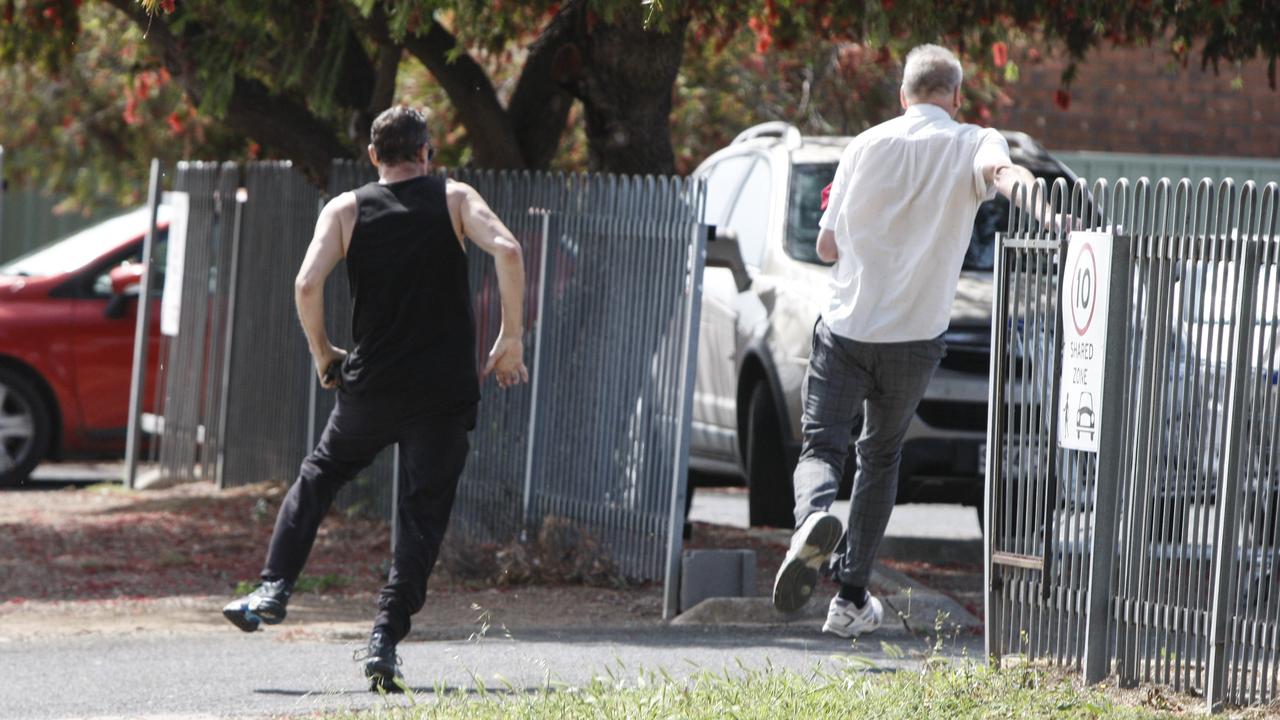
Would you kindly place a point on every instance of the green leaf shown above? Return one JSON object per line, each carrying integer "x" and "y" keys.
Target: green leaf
{"x": 1011, "y": 72}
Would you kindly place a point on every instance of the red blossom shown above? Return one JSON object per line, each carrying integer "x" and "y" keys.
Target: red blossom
{"x": 999, "y": 53}
{"x": 167, "y": 5}
{"x": 130, "y": 114}
{"x": 175, "y": 123}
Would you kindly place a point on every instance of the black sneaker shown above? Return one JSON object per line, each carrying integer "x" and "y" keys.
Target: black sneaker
{"x": 380, "y": 663}
{"x": 266, "y": 604}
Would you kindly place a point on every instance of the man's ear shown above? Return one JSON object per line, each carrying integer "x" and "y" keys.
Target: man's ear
{"x": 373, "y": 155}
{"x": 902, "y": 98}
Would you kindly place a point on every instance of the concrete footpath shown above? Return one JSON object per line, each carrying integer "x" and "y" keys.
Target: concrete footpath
{"x": 260, "y": 675}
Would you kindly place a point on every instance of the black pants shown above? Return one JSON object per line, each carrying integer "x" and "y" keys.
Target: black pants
{"x": 433, "y": 452}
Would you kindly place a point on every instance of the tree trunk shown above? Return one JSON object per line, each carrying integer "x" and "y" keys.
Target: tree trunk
{"x": 625, "y": 84}
{"x": 539, "y": 107}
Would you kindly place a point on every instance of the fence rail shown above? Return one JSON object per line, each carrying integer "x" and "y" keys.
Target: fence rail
{"x": 599, "y": 439}
{"x": 1155, "y": 557}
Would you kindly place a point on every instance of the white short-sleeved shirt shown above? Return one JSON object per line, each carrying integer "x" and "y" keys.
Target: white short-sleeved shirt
{"x": 902, "y": 208}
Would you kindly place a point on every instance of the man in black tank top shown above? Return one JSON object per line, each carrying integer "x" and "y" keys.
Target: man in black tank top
{"x": 411, "y": 377}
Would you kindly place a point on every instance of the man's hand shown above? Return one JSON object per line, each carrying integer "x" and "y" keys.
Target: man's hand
{"x": 506, "y": 362}
{"x": 323, "y": 359}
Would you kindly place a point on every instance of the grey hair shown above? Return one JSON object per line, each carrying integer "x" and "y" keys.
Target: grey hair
{"x": 930, "y": 70}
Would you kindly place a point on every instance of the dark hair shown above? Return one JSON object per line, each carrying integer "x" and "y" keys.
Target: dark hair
{"x": 398, "y": 133}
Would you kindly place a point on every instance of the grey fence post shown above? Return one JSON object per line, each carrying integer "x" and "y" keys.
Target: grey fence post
{"x": 137, "y": 383}
{"x": 993, "y": 619}
{"x": 535, "y": 384}
{"x": 1224, "y": 567}
{"x": 688, "y": 374}
{"x": 1111, "y": 448}
{"x": 395, "y": 496}
{"x": 227, "y": 343}
{"x": 3, "y": 188}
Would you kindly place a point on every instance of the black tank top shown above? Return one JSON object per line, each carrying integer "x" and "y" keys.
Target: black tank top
{"x": 415, "y": 339}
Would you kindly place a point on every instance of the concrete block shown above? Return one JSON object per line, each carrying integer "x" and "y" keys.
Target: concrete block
{"x": 716, "y": 573}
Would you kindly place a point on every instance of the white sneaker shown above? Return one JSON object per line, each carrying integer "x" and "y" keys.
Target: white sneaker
{"x": 847, "y": 620}
{"x": 811, "y": 544}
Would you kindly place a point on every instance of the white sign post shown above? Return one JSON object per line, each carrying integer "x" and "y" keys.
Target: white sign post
{"x": 175, "y": 261}
{"x": 1085, "y": 299}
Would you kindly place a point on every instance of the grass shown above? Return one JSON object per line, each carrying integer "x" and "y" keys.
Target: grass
{"x": 940, "y": 689}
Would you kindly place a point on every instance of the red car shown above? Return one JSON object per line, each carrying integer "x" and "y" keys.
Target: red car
{"x": 67, "y": 316}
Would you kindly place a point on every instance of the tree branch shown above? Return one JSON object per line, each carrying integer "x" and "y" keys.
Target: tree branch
{"x": 273, "y": 119}
{"x": 286, "y": 126}
{"x": 493, "y": 140}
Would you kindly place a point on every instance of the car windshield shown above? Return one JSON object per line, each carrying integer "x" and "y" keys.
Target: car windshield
{"x": 807, "y": 182}
{"x": 80, "y": 248}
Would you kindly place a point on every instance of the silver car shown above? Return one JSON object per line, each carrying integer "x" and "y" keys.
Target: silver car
{"x": 763, "y": 290}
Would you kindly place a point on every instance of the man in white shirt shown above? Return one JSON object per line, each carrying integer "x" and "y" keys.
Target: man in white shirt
{"x": 897, "y": 224}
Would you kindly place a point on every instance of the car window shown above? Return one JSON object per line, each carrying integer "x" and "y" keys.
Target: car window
{"x": 750, "y": 215}
{"x": 101, "y": 285}
{"x": 804, "y": 208}
{"x": 992, "y": 217}
{"x": 723, "y": 182}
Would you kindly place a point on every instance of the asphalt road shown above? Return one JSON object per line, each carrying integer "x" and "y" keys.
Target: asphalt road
{"x": 259, "y": 675}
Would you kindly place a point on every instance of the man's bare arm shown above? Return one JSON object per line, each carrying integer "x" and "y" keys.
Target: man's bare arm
{"x": 1006, "y": 176}
{"x": 827, "y": 250}
{"x": 333, "y": 229}
{"x": 479, "y": 223}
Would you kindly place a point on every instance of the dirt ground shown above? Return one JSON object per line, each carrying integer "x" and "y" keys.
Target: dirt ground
{"x": 101, "y": 559}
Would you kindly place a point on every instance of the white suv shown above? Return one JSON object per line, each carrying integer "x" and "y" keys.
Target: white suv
{"x": 762, "y": 296}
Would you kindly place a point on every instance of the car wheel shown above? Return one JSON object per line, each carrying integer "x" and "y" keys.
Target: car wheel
{"x": 771, "y": 499}
{"x": 24, "y": 428}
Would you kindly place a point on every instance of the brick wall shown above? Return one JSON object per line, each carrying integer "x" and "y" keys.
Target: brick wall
{"x": 1132, "y": 100}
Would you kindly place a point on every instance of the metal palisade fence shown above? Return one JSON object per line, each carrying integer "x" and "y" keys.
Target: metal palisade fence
{"x": 598, "y": 440}
{"x": 1154, "y": 555}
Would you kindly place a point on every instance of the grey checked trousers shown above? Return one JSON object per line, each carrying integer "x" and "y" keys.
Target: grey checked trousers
{"x": 882, "y": 382}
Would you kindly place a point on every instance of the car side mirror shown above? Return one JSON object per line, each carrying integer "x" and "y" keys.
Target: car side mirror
{"x": 126, "y": 279}
{"x": 126, "y": 282}
{"x": 723, "y": 251}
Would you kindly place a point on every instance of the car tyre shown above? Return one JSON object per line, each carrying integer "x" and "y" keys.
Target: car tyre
{"x": 771, "y": 499}
{"x": 25, "y": 427}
